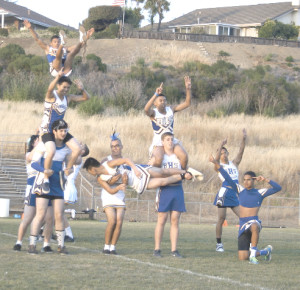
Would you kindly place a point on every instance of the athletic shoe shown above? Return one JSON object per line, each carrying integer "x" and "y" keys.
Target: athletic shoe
{"x": 62, "y": 179}
{"x": 62, "y": 250}
{"x": 220, "y": 247}
{"x": 105, "y": 252}
{"x": 113, "y": 252}
{"x": 157, "y": 253}
{"x": 196, "y": 174}
{"x": 82, "y": 34}
{"x": 176, "y": 254}
{"x": 268, "y": 256}
{"x": 68, "y": 239}
{"x": 62, "y": 37}
{"x": 47, "y": 250}
{"x": 45, "y": 187}
{"x": 253, "y": 260}
{"x": 220, "y": 201}
{"x": 17, "y": 247}
{"x": 32, "y": 250}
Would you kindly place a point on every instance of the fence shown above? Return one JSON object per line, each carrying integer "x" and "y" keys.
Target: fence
{"x": 208, "y": 38}
{"x": 275, "y": 211}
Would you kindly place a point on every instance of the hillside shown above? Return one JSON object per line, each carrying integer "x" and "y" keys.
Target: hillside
{"x": 124, "y": 52}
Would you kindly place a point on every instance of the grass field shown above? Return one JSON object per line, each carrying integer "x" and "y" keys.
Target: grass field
{"x": 135, "y": 267}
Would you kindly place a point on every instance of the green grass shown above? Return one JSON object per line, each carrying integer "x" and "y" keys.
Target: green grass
{"x": 135, "y": 267}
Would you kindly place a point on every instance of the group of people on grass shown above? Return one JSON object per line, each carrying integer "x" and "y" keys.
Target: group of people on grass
{"x": 54, "y": 157}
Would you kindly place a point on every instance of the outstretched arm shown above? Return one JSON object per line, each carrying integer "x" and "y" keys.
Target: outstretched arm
{"x": 41, "y": 43}
{"x": 148, "y": 107}
{"x": 237, "y": 160}
{"x": 187, "y": 102}
{"x": 127, "y": 161}
{"x": 79, "y": 98}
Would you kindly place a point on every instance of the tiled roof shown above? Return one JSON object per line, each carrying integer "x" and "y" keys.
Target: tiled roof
{"x": 25, "y": 13}
{"x": 234, "y": 15}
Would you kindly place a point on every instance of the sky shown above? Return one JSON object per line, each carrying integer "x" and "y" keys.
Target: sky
{"x": 73, "y": 12}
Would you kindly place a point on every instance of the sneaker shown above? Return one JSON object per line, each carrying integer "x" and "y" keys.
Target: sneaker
{"x": 62, "y": 179}
{"x": 105, "y": 252}
{"x": 47, "y": 250}
{"x": 196, "y": 174}
{"x": 113, "y": 252}
{"x": 68, "y": 239}
{"x": 45, "y": 187}
{"x": 17, "y": 247}
{"x": 32, "y": 250}
{"x": 220, "y": 247}
{"x": 62, "y": 37}
{"x": 220, "y": 201}
{"x": 176, "y": 254}
{"x": 253, "y": 260}
{"x": 268, "y": 257}
{"x": 157, "y": 253}
{"x": 82, "y": 34}
{"x": 62, "y": 250}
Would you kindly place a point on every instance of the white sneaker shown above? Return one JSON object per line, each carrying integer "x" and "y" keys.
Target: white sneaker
{"x": 219, "y": 247}
{"x": 268, "y": 257}
{"x": 62, "y": 36}
{"x": 82, "y": 34}
{"x": 196, "y": 174}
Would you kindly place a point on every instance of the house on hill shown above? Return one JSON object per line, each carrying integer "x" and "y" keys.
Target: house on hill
{"x": 14, "y": 15}
{"x": 235, "y": 21}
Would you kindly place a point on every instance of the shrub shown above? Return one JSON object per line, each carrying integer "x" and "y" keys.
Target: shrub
{"x": 97, "y": 61}
{"x": 4, "y": 32}
{"x": 269, "y": 57}
{"x": 10, "y": 52}
{"x": 223, "y": 53}
{"x": 157, "y": 64}
{"x": 289, "y": 59}
{"x": 93, "y": 106}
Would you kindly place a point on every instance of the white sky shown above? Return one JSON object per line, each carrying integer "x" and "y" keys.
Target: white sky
{"x": 73, "y": 12}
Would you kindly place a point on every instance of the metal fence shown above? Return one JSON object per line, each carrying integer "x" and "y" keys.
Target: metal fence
{"x": 208, "y": 38}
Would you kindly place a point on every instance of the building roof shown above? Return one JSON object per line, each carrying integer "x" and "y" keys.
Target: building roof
{"x": 24, "y": 13}
{"x": 236, "y": 15}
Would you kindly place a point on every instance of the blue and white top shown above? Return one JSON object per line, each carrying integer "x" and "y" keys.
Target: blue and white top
{"x": 232, "y": 171}
{"x": 53, "y": 111}
{"x": 52, "y": 55}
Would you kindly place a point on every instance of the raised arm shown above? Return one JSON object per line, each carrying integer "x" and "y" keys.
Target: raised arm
{"x": 41, "y": 43}
{"x": 219, "y": 150}
{"x": 49, "y": 95}
{"x": 79, "y": 98}
{"x": 148, "y": 107}
{"x": 187, "y": 102}
{"x": 237, "y": 160}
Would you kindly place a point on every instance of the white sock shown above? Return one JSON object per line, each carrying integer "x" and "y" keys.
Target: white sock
{"x": 106, "y": 247}
{"x": 19, "y": 243}
{"x": 46, "y": 179}
{"x": 112, "y": 247}
{"x": 69, "y": 233}
{"x": 46, "y": 244}
{"x": 32, "y": 240}
{"x": 253, "y": 252}
{"x": 60, "y": 238}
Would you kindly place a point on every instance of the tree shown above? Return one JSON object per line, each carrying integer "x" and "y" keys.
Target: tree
{"x": 157, "y": 7}
{"x": 276, "y": 29}
{"x": 133, "y": 16}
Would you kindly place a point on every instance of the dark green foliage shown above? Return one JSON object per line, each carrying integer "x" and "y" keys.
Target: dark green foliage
{"x": 101, "y": 17}
{"x": 289, "y": 59}
{"x": 133, "y": 17}
{"x": 10, "y": 52}
{"x": 91, "y": 107}
{"x": 223, "y": 53}
{"x": 4, "y": 32}
{"x": 110, "y": 32}
{"x": 97, "y": 61}
{"x": 276, "y": 29}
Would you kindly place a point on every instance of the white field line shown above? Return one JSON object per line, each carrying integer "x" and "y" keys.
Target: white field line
{"x": 188, "y": 272}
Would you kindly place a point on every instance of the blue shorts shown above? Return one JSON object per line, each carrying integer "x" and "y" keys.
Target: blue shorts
{"x": 230, "y": 198}
{"x": 170, "y": 198}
